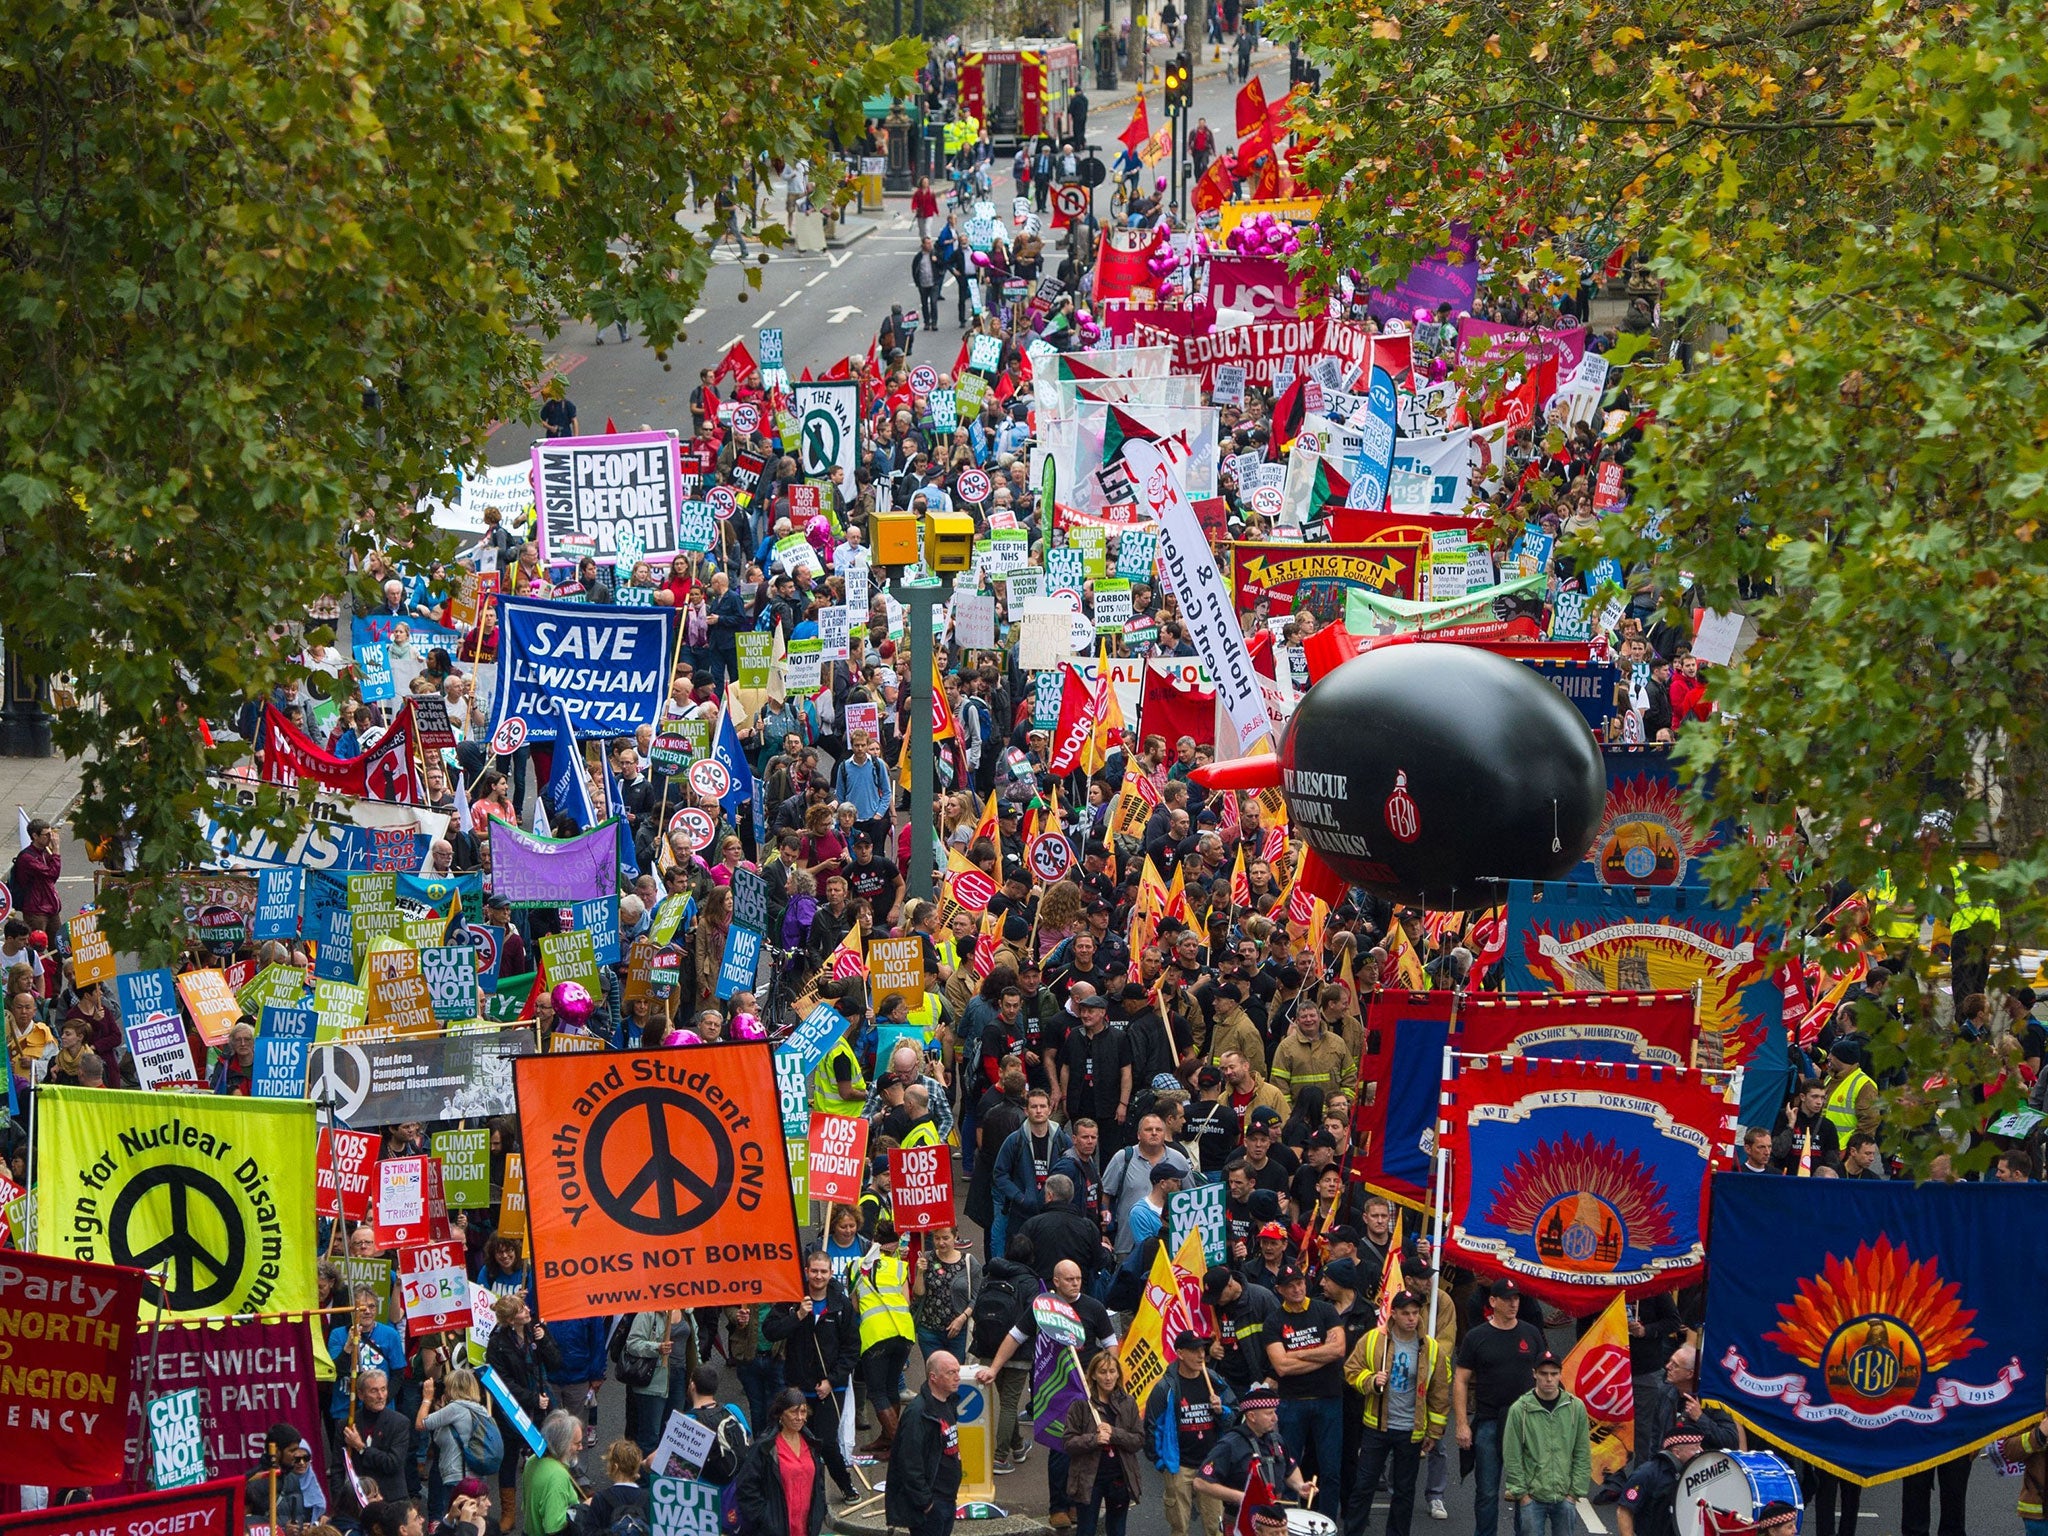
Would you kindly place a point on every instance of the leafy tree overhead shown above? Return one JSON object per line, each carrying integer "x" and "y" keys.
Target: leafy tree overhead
{"x": 271, "y": 269}
{"x": 1847, "y": 207}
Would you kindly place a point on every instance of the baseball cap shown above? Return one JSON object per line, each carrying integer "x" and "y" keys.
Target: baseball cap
{"x": 1163, "y": 1172}
{"x": 1405, "y": 1299}
{"x": 1291, "y": 1274}
{"x": 1345, "y": 1234}
{"x": 863, "y": 837}
{"x": 1186, "y": 1339}
{"x": 1548, "y": 1357}
{"x": 1503, "y": 1287}
{"x": 1272, "y": 1229}
{"x": 1264, "y": 1118}
{"x": 1342, "y": 1272}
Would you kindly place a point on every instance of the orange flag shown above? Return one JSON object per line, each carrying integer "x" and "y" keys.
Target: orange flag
{"x": 1596, "y": 1372}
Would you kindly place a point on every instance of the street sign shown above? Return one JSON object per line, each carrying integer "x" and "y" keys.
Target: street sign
{"x": 1070, "y": 200}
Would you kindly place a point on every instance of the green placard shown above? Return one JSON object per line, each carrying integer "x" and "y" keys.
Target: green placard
{"x": 757, "y": 649}
{"x": 572, "y": 956}
{"x": 465, "y": 1167}
{"x": 376, "y": 1274}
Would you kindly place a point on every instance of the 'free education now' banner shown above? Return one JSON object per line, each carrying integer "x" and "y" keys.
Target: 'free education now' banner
{"x": 1875, "y": 1327}
{"x": 607, "y": 667}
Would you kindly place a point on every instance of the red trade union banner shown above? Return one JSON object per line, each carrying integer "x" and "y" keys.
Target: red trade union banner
{"x": 251, "y": 1373}
{"x": 1651, "y": 1027}
{"x": 67, "y": 1345}
{"x": 656, "y": 1179}
{"x": 342, "y": 1183}
{"x": 1294, "y": 576}
{"x": 204, "y": 1509}
{"x": 921, "y": 1187}
{"x": 838, "y": 1153}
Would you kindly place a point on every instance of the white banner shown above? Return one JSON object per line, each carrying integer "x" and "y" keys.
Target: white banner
{"x": 1203, "y": 594}
{"x": 1431, "y": 474}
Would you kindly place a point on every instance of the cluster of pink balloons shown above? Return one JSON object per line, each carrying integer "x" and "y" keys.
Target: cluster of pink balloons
{"x": 1161, "y": 264}
{"x": 1264, "y": 235}
{"x": 1085, "y": 324}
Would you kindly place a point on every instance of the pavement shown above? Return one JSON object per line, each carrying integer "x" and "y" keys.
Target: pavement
{"x": 48, "y": 788}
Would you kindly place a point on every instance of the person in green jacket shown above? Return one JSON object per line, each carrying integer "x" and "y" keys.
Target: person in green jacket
{"x": 547, "y": 1488}
{"x": 1546, "y": 1453}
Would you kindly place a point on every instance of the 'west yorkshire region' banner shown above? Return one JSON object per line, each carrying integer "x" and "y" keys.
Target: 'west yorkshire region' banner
{"x": 1582, "y": 1179}
{"x": 1654, "y": 1028}
{"x": 657, "y": 1179}
{"x": 1874, "y": 1327}
{"x": 1646, "y": 836}
{"x": 591, "y": 490}
{"x": 1574, "y": 938}
{"x": 215, "y": 1195}
{"x": 1400, "y": 1081}
{"x": 608, "y": 667}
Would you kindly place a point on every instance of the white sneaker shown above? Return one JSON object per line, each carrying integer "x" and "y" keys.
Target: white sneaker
{"x": 1022, "y": 1454}
{"x": 1437, "y": 1510}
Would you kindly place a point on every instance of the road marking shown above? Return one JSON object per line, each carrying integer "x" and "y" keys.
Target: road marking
{"x": 694, "y": 315}
{"x": 837, "y": 261}
{"x": 818, "y": 279}
{"x": 766, "y": 318}
{"x": 1592, "y": 1520}
{"x": 727, "y": 346}
{"x": 838, "y": 316}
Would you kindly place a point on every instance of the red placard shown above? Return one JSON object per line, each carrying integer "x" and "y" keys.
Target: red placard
{"x": 921, "y": 1187}
{"x": 205, "y": 1509}
{"x": 343, "y": 1180}
{"x": 60, "y": 1416}
{"x": 435, "y": 1288}
{"x": 839, "y": 1151}
{"x": 805, "y": 501}
{"x": 410, "y": 1207}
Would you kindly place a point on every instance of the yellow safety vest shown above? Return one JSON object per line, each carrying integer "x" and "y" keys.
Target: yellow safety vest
{"x": 1841, "y": 1106}
{"x": 1428, "y": 1423}
{"x": 924, "y": 1134}
{"x": 882, "y": 1289}
{"x": 825, "y": 1084}
{"x": 926, "y": 1014}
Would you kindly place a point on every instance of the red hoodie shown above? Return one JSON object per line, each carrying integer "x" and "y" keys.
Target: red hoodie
{"x": 1688, "y": 699}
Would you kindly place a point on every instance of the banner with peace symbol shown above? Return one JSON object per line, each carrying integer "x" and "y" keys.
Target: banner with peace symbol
{"x": 656, "y": 1179}
{"x": 212, "y": 1197}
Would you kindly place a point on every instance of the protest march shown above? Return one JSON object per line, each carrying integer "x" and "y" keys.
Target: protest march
{"x": 1123, "y": 888}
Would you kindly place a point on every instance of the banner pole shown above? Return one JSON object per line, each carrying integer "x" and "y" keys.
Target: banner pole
{"x": 1436, "y": 1247}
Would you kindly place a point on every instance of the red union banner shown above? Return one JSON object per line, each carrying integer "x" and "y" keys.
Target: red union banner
{"x": 205, "y": 1509}
{"x": 921, "y": 1187}
{"x": 67, "y": 1345}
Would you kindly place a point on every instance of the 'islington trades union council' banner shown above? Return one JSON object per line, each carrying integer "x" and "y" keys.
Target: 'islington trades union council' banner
{"x": 592, "y": 490}
{"x": 656, "y": 1179}
{"x": 607, "y": 667}
{"x": 212, "y": 1195}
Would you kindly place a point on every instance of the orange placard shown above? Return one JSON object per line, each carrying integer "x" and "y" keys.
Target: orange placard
{"x": 212, "y": 1002}
{"x": 659, "y": 1180}
{"x": 512, "y": 1197}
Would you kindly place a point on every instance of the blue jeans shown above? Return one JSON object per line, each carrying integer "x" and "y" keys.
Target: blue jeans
{"x": 1486, "y": 1477}
{"x": 2034, "y": 1527}
{"x": 762, "y": 1379}
{"x": 1313, "y": 1428}
{"x": 1541, "y": 1517}
{"x": 998, "y": 1235}
{"x": 955, "y": 1344}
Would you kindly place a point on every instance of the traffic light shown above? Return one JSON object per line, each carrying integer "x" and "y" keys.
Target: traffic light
{"x": 1180, "y": 86}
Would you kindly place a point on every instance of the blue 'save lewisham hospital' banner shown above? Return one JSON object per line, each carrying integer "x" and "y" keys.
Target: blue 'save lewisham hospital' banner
{"x": 607, "y": 667}
{"x": 1564, "y": 937}
{"x": 1875, "y": 1327}
{"x": 1582, "y": 1179}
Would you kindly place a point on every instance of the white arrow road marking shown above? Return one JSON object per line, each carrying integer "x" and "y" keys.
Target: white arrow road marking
{"x": 839, "y": 315}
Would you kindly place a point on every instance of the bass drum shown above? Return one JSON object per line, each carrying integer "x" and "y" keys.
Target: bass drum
{"x": 1719, "y": 1493}
{"x": 1306, "y": 1522}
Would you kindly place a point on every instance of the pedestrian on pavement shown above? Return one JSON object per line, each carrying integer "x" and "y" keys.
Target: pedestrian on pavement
{"x": 924, "y": 1473}
{"x": 725, "y": 213}
{"x": 927, "y": 275}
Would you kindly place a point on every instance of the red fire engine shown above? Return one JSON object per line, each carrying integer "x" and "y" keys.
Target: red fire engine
{"x": 1019, "y": 90}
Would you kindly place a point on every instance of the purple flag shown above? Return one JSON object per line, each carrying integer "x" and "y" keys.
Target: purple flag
{"x": 1056, "y": 1385}
{"x": 531, "y": 871}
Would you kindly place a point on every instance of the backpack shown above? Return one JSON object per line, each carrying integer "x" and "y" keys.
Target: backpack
{"x": 483, "y": 1448}
{"x": 996, "y": 1310}
{"x": 629, "y": 1520}
{"x": 728, "y": 1440}
{"x": 633, "y": 1371}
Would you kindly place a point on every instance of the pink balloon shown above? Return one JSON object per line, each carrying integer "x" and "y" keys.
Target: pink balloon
{"x": 981, "y": 258}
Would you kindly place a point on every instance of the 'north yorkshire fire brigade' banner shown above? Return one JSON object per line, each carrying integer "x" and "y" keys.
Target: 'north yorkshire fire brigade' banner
{"x": 1575, "y": 938}
{"x": 67, "y": 1346}
{"x": 589, "y": 490}
{"x": 1582, "y": 1178}
{"x": 1400, "y": 1079}
{"x": 214, "y": 1193}
{"x": 1872, "y": 1327}
{"x": 656, "y": 1179}
{"x": 1313, "y": 578}
{"x": 1650, "y": 1027}
{"x": 608, "y": 667}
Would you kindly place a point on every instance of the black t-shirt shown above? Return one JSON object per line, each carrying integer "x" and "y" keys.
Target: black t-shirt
{"x": 1503, "y": 1365}
{"x": 1242, "y": 1219}
{"x": 868, "y": 881}
{"x": 1214, "y": 1128}
{"x": 1095, "y": 1066}
{"x": 1648, "y": 1497}
{"x": 1296, "y": 1331}
{"x": 1245, "y": 1327}
{"x": 1095, "y": 1318}
{"x": 1274, "y": 1176}
{"x": 1198, "y": 1415}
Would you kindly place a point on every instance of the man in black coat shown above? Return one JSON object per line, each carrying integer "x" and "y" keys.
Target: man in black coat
{"x": 820, "y": 1338}
{"x": 924, "y": 1468}
{"x": 725, "y": 616}
{"x": 379, "y": 1441}
{"x": 1062, "y": 1231}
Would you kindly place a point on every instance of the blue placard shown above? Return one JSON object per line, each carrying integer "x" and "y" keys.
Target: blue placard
{"x": 373, "y": 672}
{"x": 278, "y": 894}
{"x": 509, "y": 1406}
{"x": 811, "y": 1039}
{"x": 144, "y": 995}
{"x": 742, "y": 962}
{"x": 601, "y": 919}
{"x": 279, "y": 1071}
{"x": 301, "y": 1024}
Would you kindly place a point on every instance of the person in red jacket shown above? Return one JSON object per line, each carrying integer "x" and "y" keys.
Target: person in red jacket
{"x": 924, "y": 207}
{"x": 33, "y": 879}
{"x": 1688, "y": 691}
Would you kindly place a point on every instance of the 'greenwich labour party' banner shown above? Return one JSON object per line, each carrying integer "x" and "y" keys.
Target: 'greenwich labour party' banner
{"x": 1564, "y": 937}
{"x": 213, "y": 1197}
{"x": 1873, "y": 1327}
{"x": 608, "y": 667}
{"x": 1582, "y": 1179}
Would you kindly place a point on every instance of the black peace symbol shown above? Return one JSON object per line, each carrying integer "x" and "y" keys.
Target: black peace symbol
{"x": 198, "y": 1276}
{"x": 340, "y": 1079}
{"x": 665, "y": 1196}
{"x": 820, "y": 442}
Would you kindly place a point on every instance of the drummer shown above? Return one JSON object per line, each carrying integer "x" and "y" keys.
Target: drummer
{"x": 1649, "y": 1500}
{"x": 1254, "y": 1438}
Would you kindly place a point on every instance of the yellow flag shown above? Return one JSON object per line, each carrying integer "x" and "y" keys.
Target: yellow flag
{"x": 1145, "y": 1350}
{"x": 1596, "y": 1372}
{"x": 213, "y": 1196}
{"x": 1407, "y": 965}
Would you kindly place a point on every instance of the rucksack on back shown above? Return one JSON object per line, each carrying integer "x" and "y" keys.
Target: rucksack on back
{"x": 483, "y": 1448}
{"x": 996, "y": 1310}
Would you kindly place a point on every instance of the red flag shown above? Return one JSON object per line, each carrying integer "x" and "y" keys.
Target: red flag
{"x": 1257, "y": 1495}
{"x": 805, "y": 377}
{"x": 385, "y": 772}
{"x": 843, "y": 369}
{"x": 1076, "y": 723}
{"x": 737, "y": 363}
{"x": 609, "y": 429}
{"x": 1252, "y": 111}
{"x": 1138, "y": 130}
{"x": 1213, "y": 190}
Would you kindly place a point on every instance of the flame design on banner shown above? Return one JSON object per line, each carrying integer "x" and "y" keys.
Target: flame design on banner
{"x": 1645, "y": 837}
{"x": 1583, "y": 1202}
